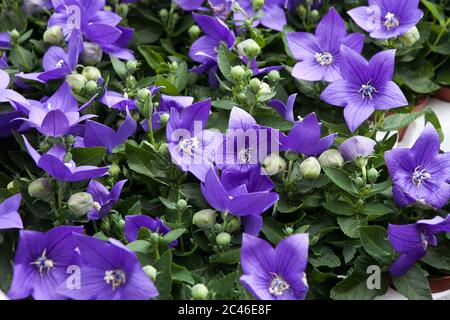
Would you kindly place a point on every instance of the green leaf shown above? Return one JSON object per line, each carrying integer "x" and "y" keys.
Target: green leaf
{"x": 436, "y": 11}
{"x": 223, "y": 286}
{"x": 168, "y": 204}
{"x": 181, "y": 274}
{"x": 350, "y": 225}
{"x": 168, "y": 86}
{"x": 341, "y": 179}
{"x": 339, "y": 207}
{"x": 375, "y": 242}
{"x": 376, "y": 210}
{"x": 273, "y": 230}
{"x": 417, "y": 76}
{"x": 413, "y": 284}
{"x": 224, "y": 60}
{"x": 324, "y": 257}
{"x": 164, "y": 278}
{"x": 119, "y": 67}
{"x": 401, "y": 120}
{"x": 22, "y": 59}
{"x": 173, "y": 235}
{"x": 224, "y": 104}
{"x": 181, "y": 76}
{"x": 438, "y": 257}
{"x": 145, "y": 162}
{"x": 272, "y": 120}
{"x": 88, "y": 156}
{"x": 153, "y": 58}
{"x": 355, "y": 287}
{"x": 377, "y": 188}
{"x": 227, "y": 257}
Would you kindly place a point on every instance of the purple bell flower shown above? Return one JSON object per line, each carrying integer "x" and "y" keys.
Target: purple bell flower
{"x": 275, "y": 273}
{"x": 104, "y": 200}
{"x": 9, "y": 215}
{"x": 271, "y": 15}
{"x": 135, "y": 222}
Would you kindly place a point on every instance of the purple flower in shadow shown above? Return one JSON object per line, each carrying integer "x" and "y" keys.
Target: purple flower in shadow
{"x": 246, "y": 195}
{"x": 53, "y": 163}
{"x": 285, "y": 109}
{"x": 420, "y": 173}
{"x": 305, "y": 137}
{"x": 41, "y": 262}
{"x": 319, "y": 55}
{"x": 133, "y": 223}
{"x": 9, "y": 215}
{"x": 365, "y": 86}
{"x": 411, "y": 241}
{"x": 109, "y": 271}
{"x": 271, "y": 15}
{"x": 104, "y": 200}
{"x": 275, "y": 273}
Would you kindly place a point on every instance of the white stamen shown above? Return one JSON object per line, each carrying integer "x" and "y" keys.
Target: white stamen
{"x": 324, "y": 58}
{"x": 115, "y": 277}
{"x": 189, "y": 145}
{"x": 278, "y": 286}
{"x": 391, "y": 21}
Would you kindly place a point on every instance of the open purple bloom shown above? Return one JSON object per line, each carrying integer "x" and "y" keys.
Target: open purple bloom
{"x": 41, "y": 262}
{"x": 166, "y": 103}
{"x": 246, "y": 144}
{"x": 53, "y": 163}
{"x": 248, "y": 202}
{"x": 319, "y": 55}
{"x": 116, "y": 100}
{"x": 104, "y": 200}
{"x": 271, "y": 15}
{"x": 9, "y": 215}
{"x": 275, "y": 273}
{"x": 385, "y": 19}
{"x": 411, "y": 241}
{"x": 109, "y": 271}
{"x": 135, "y": 222}
{"x": 191, "y": 146}
{"x": 365, "y": 87}
{"x": 204, "y": 49}
{"x": 58, "y": 115}
{"x": 221, "y": 8}
{"x": 5, "y": 43}
{"x": 17, "y": 101}
{"x": 285, "y": 109}
{"x": 58, "y": 63}
{"x": 305, "y": 138}
{"x": 356, "y": 147}
{"x": 100, "y": 135}
{"x": 96, "y": 24}
{"x": 420, "y": 173}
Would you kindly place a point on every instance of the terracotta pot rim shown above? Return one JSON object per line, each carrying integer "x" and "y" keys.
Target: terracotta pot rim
{"x": 441, "y": 284}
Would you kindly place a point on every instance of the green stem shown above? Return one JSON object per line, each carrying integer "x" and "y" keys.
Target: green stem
{"x": 439, "y": 37}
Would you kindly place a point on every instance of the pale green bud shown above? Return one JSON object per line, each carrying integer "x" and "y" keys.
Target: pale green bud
{"x": 411, "y": 37}
{"x": 199, "y": 292}
{"x": 39, "y": 188}
{"x": 194, "y": 31}
{"x": 91, "y": 73}
{"x": 223, "y": 239}
{"x": 248, "y": 48}
{"x": 255, "y": 84}
{"x": 331, "y": 158}
{"x": 181, "y": 205}
{"x": 273, "y": 164}
{"x": 131, "y": 66}
{"x": 91, "y": 87}
{"x": 310, "y": 168}
{"x": 204, "y": 219}
{"x": 274, "y": 75}
{"x": 92, "y": 54}
{"x": 54, "y": 35}
{"x": 237, "y": 73}
{"x": 76, "y": 82}
{"x": 372, "y": 175}
{"x": 80, "y": 203}
{"x": 151, "y": 272}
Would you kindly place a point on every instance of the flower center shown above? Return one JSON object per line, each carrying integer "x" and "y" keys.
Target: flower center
{"x": 245, "y": 155}
{"x": 189, "y": 145}
{"x": 420, "y": 176}
{"x": 425, "y": 239}
{"x": 115, "y": 278}
{"x": 60, "y": 63}
{"x": 391, "y": 21}
{"x": 367, "y": 90}
{"x": 43, "y": 262}
{"x": 278, "y": 286}
{"x": 324, "y": 58}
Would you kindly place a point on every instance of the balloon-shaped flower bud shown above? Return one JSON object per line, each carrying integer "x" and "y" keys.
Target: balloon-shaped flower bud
{"x": 411, "y": 37}
{"x": 237, "y": 73}
{"x": 39, "y": 188}
{"x": 76, "y": 82}
{"x": 92, "y": 54}
{"x": 199, "y": 292}
{"x": 80, "y": 203}
{"x": 54, "y": 35}
{"x": 310, "y": 168}
{"x": 91, "y": 73}
{"x": 357, "y": 147}
{"x": 273, "y": 164}
{"x": 223, "y": 239}
{"x": 204, "y": 219}
{"x": 331, "y": 158}
{"x": 249, "y": 48}
{"x": 194, "y": 31}
{"x": 151, "y": 272}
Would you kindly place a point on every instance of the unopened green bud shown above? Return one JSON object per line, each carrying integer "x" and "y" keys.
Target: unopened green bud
{"x": 291, "y": 156}
{"x": 248, "y": 73}
{"x": 105, "y": 225}
{"x": 181, "y": 205}
{"x": 131, "y": 82}
{"x": 114, "y": 170}
{"x": 302, "y": 12}
{"x": 194, "y": 31}
{"x": 199, "y": 292}
{"x": 331, "y": 158}
{"x": 273, "y": 164}
{"x": 372, "y": 175}
{"x": 143, "y": 93}
{"x": 258, "y": 4}
{"x": 164, "y": 119}
{"x": 310, "y": 168}
{"x": 10, "y": 186}
{"x": 122, "y": 10}
{"x": 263, "y": 89}
{"x": 131, "y": 66}
{"x": 233, "y": 225}
{"x": 92, "y": 53}
{"x": 155, "y": 237}
{"x": 121, "y": 224}
{"x": 359, "y": 182}
{"x": 288, "y": 231}
{"x": 14, "y": 35}
{"x": 163, "y": 14}
{"x": 249, "y": 48}
{"x": 237, "y": 73}
{"x": 361, "y": 162}
{"x": 39, "y": 188}
{"x": 91, "y": 73}
{"x": 255, "y": 84}
{"x": 91, "y": 87}
{"x": 80, "y": 203}
{"x": 76, "y": 82}
{"x": 274, "y": 75}
{"x": 44, "y": 146}
{"x": 204, "y": 219}
{"x": 315, "y": 15}
{"x": 54, "y": 35}
{"x": 218, "y": 227}
{"x": 223, "y": 239}
{"x": 411, "y": 37}
{"x": 151, "y": 272}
